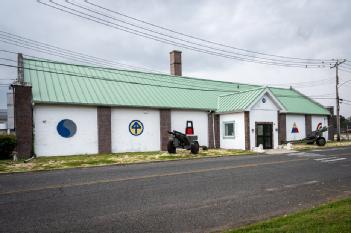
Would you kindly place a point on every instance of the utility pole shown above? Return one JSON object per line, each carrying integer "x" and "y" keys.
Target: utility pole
{"x": 336, "y": 66}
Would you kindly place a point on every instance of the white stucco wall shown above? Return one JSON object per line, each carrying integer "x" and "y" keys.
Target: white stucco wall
{"x": 264, "y": 112}
{"x": 47, "y": 141}
{"x": 315, "y": 121}
{"x": 300, "y": 123}
{"x": 124, "y": 141}
{"x": 238, "y": 142}
{"x": 200, "y": 123}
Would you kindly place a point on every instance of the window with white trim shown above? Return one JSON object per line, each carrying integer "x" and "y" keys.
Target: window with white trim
{"x": 229, "y": 129}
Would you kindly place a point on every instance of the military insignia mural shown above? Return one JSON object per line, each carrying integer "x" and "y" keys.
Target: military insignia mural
{"x": 136, "y": 127}
{"x": 66, "y": 128}
{"x": 294, "y": 128}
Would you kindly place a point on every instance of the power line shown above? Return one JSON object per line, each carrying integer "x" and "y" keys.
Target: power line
{"x": 176, "y": 38}
{"x": 136, "y": 32}
{"x": 296, "y": 84}
{"x": 346, "y": 64}
{"x": 143, "y": 84}
{"x": 347, "y": 71}
{"x": 166, "y": 81}
{"x": 48, "y": 51}
{"x": 300, "y": 83}
{"x": 194, "y": 37}
{"x": 344, "y": 83}
{"x": 65, "y": 56}
{"x": 255, "y": 57}
{"x": 61, "y": 55}
{"x": 110, "y": 80}
{"x": 70, "y": 52}
{"x": 315, "y": 85}
{"x": 8, "y": 51}
{"x": 7, "y": 59}
{"x": 147, "y": 76}
{"x": 321, "y": 95}
{"x": 20, "y": 40}
{"x": 171, "y": 42}
{"x": 178, "y": 80}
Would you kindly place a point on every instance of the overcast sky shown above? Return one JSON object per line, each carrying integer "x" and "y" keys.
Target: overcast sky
{"x": 297, "y": 28}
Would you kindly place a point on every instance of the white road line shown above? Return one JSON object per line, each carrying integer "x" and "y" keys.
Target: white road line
{"x": 292, "y": 185}
{"x": 289, "y": 186}
{"x": 311, "y": 182}
{"x": 332, "y": 149}
{"x": 304, "y": 154}
{"x": 301, "y": 184}
{"x": 332, "y": 160}
{"x": 325, "y": 158}
{"x": 272, "y": 189}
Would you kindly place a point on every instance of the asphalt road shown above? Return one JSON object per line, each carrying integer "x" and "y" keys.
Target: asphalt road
{"x": 182, "y": 196}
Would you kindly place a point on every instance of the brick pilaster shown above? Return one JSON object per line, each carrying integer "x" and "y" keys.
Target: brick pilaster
{"x": 104, "y": 129}
{"x": 308, "y": 124}
{"x": 247, "y": 130}
{"x": 281, "y": 128}
{"x": 217, "y": 131}
{"x": 165, "y": 126}
{"x": 23, "y": 120}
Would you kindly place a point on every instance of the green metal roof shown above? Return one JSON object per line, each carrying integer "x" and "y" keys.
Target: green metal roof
{"x": 295, "y": 102}
{"x": 239, "y": 101}
{"x": 61, "y": 83}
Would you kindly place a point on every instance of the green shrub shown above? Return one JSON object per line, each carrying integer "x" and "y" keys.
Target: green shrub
{"x": 7, "y": 145}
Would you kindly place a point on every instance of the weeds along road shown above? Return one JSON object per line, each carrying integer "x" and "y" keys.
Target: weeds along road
{"x": 181, "y": 196}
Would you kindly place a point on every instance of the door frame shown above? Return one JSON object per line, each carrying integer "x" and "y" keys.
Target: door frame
{"x": 264, "y": 123}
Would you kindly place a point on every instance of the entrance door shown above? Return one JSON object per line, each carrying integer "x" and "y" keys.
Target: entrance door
{"x": 264, "y": 135}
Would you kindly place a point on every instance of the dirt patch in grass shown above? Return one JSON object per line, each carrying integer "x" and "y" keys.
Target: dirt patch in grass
{"x": 62, "y": 162}
{"x": 332, "y": 218}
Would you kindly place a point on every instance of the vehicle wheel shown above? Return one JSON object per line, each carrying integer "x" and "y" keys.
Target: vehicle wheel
{"x": 170, "y": 147}
{"x": 194, "y": 148}
{"x": 205, "y": 148}
{"x": 321, "y": 141}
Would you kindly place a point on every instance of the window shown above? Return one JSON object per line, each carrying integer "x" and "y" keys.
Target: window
{"x": 229, "y": 129}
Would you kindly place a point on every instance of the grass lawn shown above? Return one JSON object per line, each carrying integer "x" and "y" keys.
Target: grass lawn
{"x": 304, "y": 146}
{"x": 61, "y": 162}
{"x": 328, "y": 218}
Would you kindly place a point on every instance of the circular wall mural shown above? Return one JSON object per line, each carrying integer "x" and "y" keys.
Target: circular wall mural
{"x": 136, "y": 127}
{"x": 66, "y": 128}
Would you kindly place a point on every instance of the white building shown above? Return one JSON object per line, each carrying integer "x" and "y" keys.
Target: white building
{"x": 75, "y": 109}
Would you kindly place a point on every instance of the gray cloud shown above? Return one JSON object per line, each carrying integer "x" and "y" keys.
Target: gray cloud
{"x": 314, "y": 29}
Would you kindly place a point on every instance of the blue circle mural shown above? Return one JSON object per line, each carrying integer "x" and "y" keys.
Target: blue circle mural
{"x": 66, "y": 128}
{"x": 136, "y": 127}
